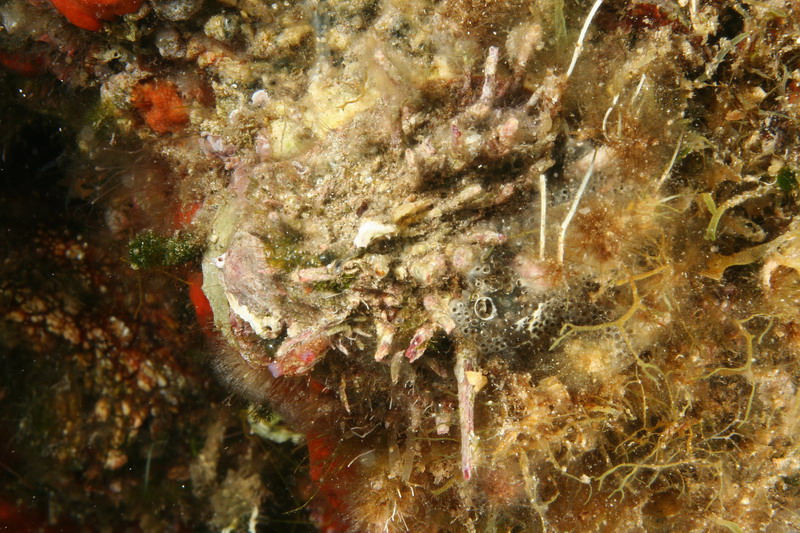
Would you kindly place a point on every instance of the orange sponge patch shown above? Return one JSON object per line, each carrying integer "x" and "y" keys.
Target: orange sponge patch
{"x": 161, "y": 106}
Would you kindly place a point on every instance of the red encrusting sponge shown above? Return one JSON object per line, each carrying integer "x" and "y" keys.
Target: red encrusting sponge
{"x": 87, "y": 14}
{"x": 161, "y": 107}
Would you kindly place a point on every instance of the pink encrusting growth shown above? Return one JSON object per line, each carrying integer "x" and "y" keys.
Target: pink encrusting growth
{"x": 420, "y": 340}
{"x": 297, "y": 355}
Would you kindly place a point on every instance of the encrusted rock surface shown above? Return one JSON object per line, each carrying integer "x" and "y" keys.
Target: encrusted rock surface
{"x": 500, "y": 266}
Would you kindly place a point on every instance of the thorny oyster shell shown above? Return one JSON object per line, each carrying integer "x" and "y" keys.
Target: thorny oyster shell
{"x": 475, "y": 257}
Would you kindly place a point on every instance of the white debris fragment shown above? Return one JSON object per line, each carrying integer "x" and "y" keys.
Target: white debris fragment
{"x": 260, "y": 98}
{"x": 476, "y": 380}
{"x": 371, "y": 230}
